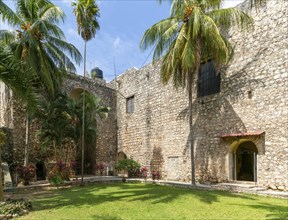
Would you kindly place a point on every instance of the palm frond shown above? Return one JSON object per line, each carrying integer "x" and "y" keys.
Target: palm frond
{"x": 231, "y": 17}
{"x": 7, "y": 14}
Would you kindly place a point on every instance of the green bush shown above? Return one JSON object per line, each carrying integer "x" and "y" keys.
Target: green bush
{"x": 130, "y": 166}
{"x": 15, "y": 206}
{"x": 59, "y": 173}
{"x": 56, "y": 180}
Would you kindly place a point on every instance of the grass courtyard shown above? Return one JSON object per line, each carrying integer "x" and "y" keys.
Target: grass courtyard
{"x": 148, "y": 201}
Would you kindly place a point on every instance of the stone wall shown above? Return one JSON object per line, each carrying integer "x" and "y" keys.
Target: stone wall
{"x": 253, "y": 99}
{"x": 13, "y": 116}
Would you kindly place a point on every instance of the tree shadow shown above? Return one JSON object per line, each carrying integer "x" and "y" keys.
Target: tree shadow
{"x": 277, "y": 211}
{"x": 149, "y": 193}
{"x": 210, "y": 153}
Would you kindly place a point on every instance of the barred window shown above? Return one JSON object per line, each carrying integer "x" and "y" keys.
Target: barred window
{"x": 130, "y": 104}
{"x": 208, "y": 80}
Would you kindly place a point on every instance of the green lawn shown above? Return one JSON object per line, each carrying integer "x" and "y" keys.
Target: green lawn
{"x": 148, "y": 201}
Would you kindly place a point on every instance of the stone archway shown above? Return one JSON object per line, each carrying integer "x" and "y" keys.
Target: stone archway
{"x": 244, "y": 161}
{"x": 121, "y": 155}
{"x": 40, "y": 171}
{"x": 90, "y": 147}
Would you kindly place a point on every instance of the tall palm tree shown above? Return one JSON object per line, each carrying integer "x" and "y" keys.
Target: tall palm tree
{"x": 86, "y": 12}
{"x": 191, "y": 35}
{"x": 39, "y": 44}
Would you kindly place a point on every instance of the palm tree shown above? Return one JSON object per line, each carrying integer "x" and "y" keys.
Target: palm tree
{"x": 86, "y": 12}
{"x": 38, "y": 42}
{"x": 40, "y": 45}
{"x": 191, "y": 35}
{"x": 55, "y": 119}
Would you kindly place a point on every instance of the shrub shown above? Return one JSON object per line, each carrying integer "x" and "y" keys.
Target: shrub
{"x": 155, "y": 175}
{"x": 130, "y": 166}
{"x": 59, "y": 173}
{"x": 100, "y": 167}
{"x": 26, "y": 174}
{"x": 144, "y": 171}
{"x": 56, "y": 180}
{"x": 15, "y": 206}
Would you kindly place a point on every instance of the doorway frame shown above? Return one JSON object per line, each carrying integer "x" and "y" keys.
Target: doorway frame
{"x": 232, "y": 175}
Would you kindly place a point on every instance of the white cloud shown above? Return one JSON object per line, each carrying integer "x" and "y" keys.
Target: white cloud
{"x": 116, "y": 43}
{"x": 231, "y": 3}
{"x": 73, "y": 33}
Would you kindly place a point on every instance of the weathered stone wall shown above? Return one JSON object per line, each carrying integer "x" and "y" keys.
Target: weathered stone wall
{"x": 253, "y": 98}
{"x": 13, "y": 116}
{"x": 6, "y": 113}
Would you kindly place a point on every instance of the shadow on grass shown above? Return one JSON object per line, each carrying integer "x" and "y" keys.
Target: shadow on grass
{"x": 99, "y": 194}
{"x": 94, "y": 195}
{"x": 277, "y": 211}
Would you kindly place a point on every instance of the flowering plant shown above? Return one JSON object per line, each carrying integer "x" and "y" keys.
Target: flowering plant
{"x": 100, "y": 167}
{"x": 60, "y": 165}
{"x": 144, "y": 171}
{"x": 155, "y": 175}
{"x": 59, "y": 173}
{"x": 26, "y": 173}
{"x": 74, "y": 165}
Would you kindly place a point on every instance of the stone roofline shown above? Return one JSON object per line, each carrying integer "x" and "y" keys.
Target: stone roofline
{"x": 93, "y": 82}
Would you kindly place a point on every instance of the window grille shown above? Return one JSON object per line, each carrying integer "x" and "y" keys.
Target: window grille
{"x": 130, "y": 104}
{"x": 208, "y": 80}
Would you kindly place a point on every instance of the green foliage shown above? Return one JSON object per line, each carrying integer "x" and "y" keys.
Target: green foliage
{"x": 2, "y": 137}
{"x": 38, "y": 43}
{"x": 129, "y": 165}
{"x": 191, "y": 35}
{"x": 86, "y": 12}
{"x": 15, "y": 206}
{"x": 26, "y": 173}
{"x": 56, "y": 118}
{"x": 59, "y": 173}
{"x": 56, "y": 180}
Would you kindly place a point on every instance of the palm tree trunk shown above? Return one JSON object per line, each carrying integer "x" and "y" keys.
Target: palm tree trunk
{"x": 191, "y": 79}
{"x": 26, "y": 150}
{"x": 191, "y": 132}
{"x": 55, "y": 152}
{"x": 83, "y": 119}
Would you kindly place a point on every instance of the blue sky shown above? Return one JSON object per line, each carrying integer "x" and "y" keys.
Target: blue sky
{"x": 122, "y": 24}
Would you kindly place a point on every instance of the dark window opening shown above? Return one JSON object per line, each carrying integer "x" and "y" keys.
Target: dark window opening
{"x": 130, "y": 104}
{"x": 209, "y": 80}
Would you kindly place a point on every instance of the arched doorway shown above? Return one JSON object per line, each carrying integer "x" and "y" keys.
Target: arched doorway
{"x": 121, "y": 155}
{"x": 245, "y": 162}
{"x": 40, "y": 171}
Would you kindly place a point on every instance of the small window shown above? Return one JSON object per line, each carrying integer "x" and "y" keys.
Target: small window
{"x": 130, "y": 104}
{"x": 209, "y": 80}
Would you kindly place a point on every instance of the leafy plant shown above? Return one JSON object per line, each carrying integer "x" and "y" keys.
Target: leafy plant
{"x": 56, "y": 180}
{"x": 155, "y": 175}
{"x": 130, "y": 166}
{"x": 26, "y": 173}
{"x": 15, "y": 206}
{"x": 100, "y": 167}
{"x": 144, "y": 172}
{"x": 59, "y": 173}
